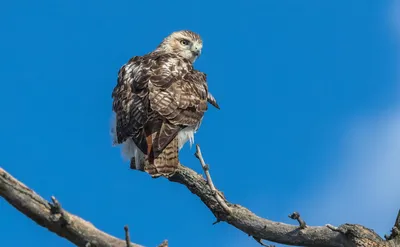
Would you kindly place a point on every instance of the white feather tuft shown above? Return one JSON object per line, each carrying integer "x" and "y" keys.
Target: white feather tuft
{"x": 187, "y": 134}
{"x": 129, "y": 148}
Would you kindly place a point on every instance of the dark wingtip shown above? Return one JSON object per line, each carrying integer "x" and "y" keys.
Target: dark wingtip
{"x": 216, "y": 106}
{"x": 213, "y": 101}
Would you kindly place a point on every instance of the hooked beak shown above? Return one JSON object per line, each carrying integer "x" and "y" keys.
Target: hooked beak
{"x": 196, "y": 51}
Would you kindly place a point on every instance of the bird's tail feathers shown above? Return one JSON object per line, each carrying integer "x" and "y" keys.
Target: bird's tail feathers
{"x": 165, "y": 163}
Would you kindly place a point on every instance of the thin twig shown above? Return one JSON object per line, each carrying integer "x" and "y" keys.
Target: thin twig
{"x": 395, "y": 229}
{"x": 397, "y": 223}
{"x": 259, "y": 240}
{"x": 296, "y": 216}
{"x": 209, "y": 180}
{"x": 248, "y": 222}
{"x": 49, "y": 213}
{"x": 393, "y": 233}
{"x": 164, "y": 244}
{"x": 127, "y": 237}
{"x": 333, "y": 228}
{"x": 57, "y": 209}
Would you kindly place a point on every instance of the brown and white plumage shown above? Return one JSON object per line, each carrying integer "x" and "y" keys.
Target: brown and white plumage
{"x": 159, "y": 103}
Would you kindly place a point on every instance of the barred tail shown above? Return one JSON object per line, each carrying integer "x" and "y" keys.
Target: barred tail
{"x": 166, "y": 163}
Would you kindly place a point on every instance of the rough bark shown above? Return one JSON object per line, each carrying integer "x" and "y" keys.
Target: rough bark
{"x": 53, "y": 217}
{"x": 82, "y": 233}
{"x": 302, "y": 235}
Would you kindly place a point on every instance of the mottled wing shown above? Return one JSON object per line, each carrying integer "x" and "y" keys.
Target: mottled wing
{"x": 179, "y": 94}
{"x": 131, "y": 101}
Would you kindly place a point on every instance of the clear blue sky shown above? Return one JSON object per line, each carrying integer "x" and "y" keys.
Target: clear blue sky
{"x": 297, "y": 81}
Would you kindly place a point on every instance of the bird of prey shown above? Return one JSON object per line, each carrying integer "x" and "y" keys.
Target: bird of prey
{"x": 159, "y": 102}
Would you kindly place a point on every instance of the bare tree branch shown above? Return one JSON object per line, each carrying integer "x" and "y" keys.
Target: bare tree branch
{"x": 82, "y": 233}
{"x": 394, "y": 236}
{"x": 127, "y": 237}
{"x": 260, "y": 228}
{"x": 206, "y": 170}
{"x": 246, "y": 221}
{"x": 53, "y": 217}
{"x": 164, "y": 244}
{"x": 397, "y": 222}
{"x": 395, "y": 230}
{"x": 296, "y": 216}
{"x": 259, "y": 240}
{"x": 57, "y": 209}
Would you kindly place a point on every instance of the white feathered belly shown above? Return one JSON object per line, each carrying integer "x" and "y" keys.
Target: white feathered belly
{"x": 130, "y": 150}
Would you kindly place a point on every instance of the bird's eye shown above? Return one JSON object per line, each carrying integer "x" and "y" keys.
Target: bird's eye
{"x": 185, "y": 42}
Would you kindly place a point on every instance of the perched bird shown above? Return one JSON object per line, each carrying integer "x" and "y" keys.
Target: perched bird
{"x": 159, "y": 102}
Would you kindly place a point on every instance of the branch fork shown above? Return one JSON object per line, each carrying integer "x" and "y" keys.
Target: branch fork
{"x": 296, "y": 216}
{"x": 259, "y": 240}
{"x": 52, "y": 216}
{"x": 57, "y": 209}
{"x": 83, "y": 233}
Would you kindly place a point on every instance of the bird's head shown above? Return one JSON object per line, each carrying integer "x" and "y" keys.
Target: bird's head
{"x": 184, "y": 43}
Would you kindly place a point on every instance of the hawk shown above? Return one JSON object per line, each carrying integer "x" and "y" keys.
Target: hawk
{"x": 159, "y": 102}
